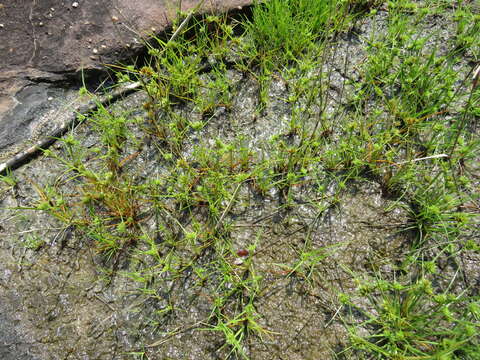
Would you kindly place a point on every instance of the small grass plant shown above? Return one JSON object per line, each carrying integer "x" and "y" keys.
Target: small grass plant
{"x": 409, "y": 320}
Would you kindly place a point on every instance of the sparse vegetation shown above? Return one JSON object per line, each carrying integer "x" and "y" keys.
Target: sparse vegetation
{"x": 168, "y": 191}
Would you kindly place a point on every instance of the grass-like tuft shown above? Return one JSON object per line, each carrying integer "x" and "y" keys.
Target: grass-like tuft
{"x": 166, "y": 189}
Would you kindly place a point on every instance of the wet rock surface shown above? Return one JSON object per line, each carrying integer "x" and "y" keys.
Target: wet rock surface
{"x": 13, "y": 345}
{"x": 33, "y": 102}
{"x": 61, "y": 299}
{"x": 67, "y": 305}
{"x": 52, "y": 281}
{"x": 52, "y": 44}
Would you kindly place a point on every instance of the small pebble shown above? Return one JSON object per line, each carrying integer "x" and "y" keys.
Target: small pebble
{"x": 1, "y": 26}
{"x": 75, "y": 4}
{"x": 40, "y": 23}
{"x": 95, "y": 51}
{"x": 50, "y": 98}
{"x": 114, "y": 19}
{"x": 242, "y": 252}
